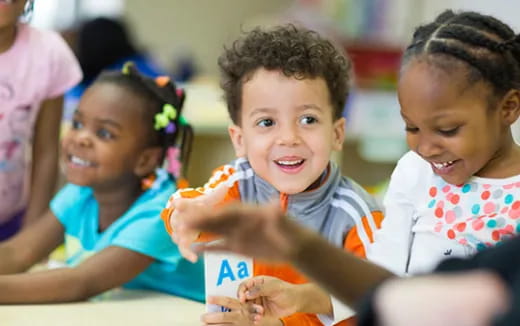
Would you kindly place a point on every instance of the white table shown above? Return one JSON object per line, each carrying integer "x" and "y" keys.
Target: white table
{"x": 124, "y": 307}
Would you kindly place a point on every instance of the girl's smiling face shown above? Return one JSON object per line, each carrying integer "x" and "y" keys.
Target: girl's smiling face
{"x": 452, "y": 124}
{"x": 106, "y": 139}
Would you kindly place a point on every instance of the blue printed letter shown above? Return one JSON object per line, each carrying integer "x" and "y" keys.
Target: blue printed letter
{"x": 225, "y": 271}
{"x": 242, "y": 270}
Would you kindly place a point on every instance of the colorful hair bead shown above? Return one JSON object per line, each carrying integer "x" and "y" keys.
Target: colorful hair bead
{"x": 163, "y": 119}
{"x": 174, "y": 164}
{"x": 126, "y": 68}
{"x": 162, "y": 81}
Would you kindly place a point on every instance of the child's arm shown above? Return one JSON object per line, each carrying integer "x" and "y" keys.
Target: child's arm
{"x": 44, "y": 172}
{"x": 263, "y": 232}
{"x": 392, "y": 242}
{"x": 31, "y": 245}
{"x": 108, "y": 269}
{"x": 463, "y": 299}
{"x": 219, "y": 190}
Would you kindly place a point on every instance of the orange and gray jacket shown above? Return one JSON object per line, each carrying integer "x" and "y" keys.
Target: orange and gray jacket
{"x": 339, "y": 209}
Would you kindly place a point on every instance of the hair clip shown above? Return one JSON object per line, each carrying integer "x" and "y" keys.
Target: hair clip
{"x": 126, "y": 67}
{"x": 163, "y": 119}
{"x": 162, "y": 81}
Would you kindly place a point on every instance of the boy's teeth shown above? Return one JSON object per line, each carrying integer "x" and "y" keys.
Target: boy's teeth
{"x": 442, "y": 165}
{"x": 78, "y": 161}
{"x": 289, "y": 162}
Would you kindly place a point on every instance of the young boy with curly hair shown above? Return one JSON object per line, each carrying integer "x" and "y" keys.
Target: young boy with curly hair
{"x": 285, "y": 90}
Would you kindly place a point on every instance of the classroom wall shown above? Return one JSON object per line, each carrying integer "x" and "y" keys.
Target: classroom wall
{"x": 171, "y": 28}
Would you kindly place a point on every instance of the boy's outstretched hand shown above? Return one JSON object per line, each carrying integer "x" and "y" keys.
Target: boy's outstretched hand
{"x": 186, "y": 209}
{"x": 259, "y": 231}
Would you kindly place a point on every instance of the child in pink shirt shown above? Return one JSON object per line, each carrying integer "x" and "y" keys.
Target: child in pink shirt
{"x": 36, "y": 68}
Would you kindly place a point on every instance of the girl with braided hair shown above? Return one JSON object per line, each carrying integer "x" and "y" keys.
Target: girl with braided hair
{"x": 458, "y": 190}
{"x": 108, "y": 213}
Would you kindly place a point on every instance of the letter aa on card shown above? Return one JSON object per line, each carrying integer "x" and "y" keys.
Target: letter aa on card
{"x": 224, "y": 272}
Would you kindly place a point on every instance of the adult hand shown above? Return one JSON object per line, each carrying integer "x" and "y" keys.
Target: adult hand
{"x": 260, "y": 231}
{"x": 462, "y": 299}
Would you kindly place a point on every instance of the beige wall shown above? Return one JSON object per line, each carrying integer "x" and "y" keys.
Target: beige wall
{"x": 169, "y": 27}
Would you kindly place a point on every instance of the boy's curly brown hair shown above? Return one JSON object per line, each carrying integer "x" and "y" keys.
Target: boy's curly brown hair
{"x": 295, "y": 51}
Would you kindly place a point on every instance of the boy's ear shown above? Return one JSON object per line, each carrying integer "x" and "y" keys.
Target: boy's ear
{"x": 510, "y": 107}
{"x": 237, "y": 138}
{"x": 338, "y": 136}
{"x": 147, "y": 161}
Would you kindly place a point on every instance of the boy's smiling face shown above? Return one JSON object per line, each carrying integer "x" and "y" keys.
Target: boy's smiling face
{"x": 287, "y": 130}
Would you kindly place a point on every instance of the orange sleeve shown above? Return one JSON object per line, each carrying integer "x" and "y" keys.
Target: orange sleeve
{"x": 353, "y": 243}
{"x": 298, "y": 319}
{"x": 311, "y": 319}
{"x": 219, "y": 177}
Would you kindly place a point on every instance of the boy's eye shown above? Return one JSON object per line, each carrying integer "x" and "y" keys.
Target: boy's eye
{"x": 307, "y": 120}
{"x": 265, "y": 123}
{"x": 76, "y": 124}
{"x": 104, "y": 134}
{"x": 449, "y": 132}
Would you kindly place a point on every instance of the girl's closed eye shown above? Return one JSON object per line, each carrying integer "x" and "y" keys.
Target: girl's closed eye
{"x": 449, "y": 132}
{"x": 265, "y": 123}
{"x": 411, "y": 130}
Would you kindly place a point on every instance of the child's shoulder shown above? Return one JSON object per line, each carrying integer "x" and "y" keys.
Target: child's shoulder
{"x": 39, "y": 37}
{"x": 355, "y": 192}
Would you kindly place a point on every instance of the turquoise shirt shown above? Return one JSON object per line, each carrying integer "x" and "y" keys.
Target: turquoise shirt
{"x": 140, "y": 229}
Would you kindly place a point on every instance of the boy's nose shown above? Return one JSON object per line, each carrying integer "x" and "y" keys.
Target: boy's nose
{"x": 289, "y": 136}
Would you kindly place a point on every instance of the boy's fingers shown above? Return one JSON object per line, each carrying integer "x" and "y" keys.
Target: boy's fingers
{"x": 227, "y": 302}
{"x": 188, "y": 254}
{"x": 216, "y": 318}
{"x": 258, "y": 310}
{"x": 184, "y": 245}
{"x": 249, "y": 289}
{"x": 214, "y": 197}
